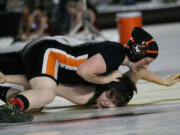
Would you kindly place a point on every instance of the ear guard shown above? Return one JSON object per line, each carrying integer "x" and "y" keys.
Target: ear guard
{"x": 141, "y": 45}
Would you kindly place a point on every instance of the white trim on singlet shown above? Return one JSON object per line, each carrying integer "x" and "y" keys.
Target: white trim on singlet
{"x": 64, "y": 40}
{"x": 61, "y": 39}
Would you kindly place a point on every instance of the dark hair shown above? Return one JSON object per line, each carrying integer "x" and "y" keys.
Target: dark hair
{"x": 123, "y": 91}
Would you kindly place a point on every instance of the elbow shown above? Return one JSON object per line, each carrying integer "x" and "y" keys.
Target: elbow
{"x": 85, "y": 74}
{"x": 82, "y": 71}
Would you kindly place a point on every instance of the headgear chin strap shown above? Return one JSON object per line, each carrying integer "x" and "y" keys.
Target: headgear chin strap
{"x": 141, "y": 45}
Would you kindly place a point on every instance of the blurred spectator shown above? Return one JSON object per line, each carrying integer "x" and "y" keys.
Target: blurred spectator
{"x": 38, "y": 24}
{"x": 72, "y": 8}
{"x": 77, "y": 13}
{"x": 26, "y": 23}
{"x": 41, "y": 25}
{"x": 93, "y": 10}
{"x": 60, "y": 17}
{"x": 14, "y": 6}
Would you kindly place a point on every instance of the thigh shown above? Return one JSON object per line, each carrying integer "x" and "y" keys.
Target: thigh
{"x": 42, "y": 92}
{"x": 43, "y": 83}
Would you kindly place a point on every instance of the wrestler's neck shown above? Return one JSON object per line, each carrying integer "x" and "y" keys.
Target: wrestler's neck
{"x": 126, "y": 61}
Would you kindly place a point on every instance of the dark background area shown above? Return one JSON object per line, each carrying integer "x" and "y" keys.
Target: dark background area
{"x": 9, "y": 22}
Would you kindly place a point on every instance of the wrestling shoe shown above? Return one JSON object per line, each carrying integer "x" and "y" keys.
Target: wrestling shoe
{"x": 10, "y": 113}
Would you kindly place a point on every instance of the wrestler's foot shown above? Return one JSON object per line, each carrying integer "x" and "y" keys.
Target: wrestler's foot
{"x": 10, "y": 113}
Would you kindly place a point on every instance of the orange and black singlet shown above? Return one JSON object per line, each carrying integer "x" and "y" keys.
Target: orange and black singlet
{"x": 59, "y": 57}
{"x": 55, "y": 58}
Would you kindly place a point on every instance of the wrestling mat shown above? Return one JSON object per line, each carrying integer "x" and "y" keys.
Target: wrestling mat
{"x": 154, "y": 110}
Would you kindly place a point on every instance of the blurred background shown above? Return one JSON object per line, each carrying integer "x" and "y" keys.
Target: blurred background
{"x": 23, "y": 20}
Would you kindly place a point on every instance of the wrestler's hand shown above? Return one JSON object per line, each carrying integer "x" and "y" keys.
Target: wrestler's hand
{"x": 172, "y": 79}
{"x": 114, "y": 76}
{"x": 2, "y": 78}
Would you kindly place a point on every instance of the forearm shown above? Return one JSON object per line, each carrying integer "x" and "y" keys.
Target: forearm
{"x": 93, "y": 69}
{"x": 94, "y": 78}
{"x": 17, "y": 79}
{"x": 101, "y": 79}
{"x": 152, "y": 77}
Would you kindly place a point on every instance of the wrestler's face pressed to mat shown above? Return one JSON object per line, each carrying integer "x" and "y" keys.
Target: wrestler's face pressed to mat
{"x": 105, "y": 100}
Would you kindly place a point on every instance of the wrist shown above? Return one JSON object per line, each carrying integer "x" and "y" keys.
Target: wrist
{"x": 165, "y": 82}
{"x": 107, "y": 80}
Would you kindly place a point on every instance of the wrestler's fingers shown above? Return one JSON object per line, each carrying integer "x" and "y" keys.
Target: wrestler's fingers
{"x": 2, "y": 78}
{"x": 116, "y": 80}
{"x": 118, "y": 74}
{"x": 174, "y": 76}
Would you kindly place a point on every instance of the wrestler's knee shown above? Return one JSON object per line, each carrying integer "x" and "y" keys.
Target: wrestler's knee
{"x": 48, "y": 95}
{"x": 46, "y": 87}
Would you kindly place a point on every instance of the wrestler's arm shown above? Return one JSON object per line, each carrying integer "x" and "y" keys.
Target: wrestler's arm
{"x": 14, "y": 79}
{"x": 134, "y": 76}
{"x": 92, "y": 70}
{"x": 154, "y": 78}
{"x": 77, "y": 94}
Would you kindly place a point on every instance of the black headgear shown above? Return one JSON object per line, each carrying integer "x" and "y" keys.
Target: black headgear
{"x": 141, "y": 45}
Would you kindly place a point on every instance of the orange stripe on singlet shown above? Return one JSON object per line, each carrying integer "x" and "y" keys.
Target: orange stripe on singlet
{"x": 55, "y": 57}
{"x": 51, "y": 64}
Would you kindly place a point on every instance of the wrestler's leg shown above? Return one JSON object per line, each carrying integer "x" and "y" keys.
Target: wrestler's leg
{"x": 10, "y": 64}
{"x": 43, "y": 86}
{"x": 15, "y": 79}
{"x": 42, "y": 92}
{"x": 7, "y": 92}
